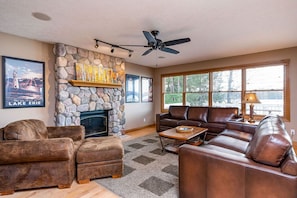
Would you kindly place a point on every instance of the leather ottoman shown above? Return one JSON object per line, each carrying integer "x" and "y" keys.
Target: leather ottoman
{"x": 99, "y": 157}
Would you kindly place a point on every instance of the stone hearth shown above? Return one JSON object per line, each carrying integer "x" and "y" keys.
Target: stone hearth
{"x": 70, "y": 100}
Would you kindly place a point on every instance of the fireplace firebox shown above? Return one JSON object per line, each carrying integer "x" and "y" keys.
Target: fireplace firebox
{"x": 95, "y": 123}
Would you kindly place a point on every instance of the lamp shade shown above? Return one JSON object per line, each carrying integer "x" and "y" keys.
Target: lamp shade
{"x": 251, "y": 98}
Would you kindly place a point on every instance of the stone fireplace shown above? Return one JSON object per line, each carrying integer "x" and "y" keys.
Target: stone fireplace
{"x": 71, "y": 101}
{"x": 95, "y": 122}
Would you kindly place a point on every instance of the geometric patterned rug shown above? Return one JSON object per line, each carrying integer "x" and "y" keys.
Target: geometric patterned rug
{"x": 148, "y": 172}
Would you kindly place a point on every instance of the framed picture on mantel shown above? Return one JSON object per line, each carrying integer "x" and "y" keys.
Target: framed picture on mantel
{"x": 23, "y": 83}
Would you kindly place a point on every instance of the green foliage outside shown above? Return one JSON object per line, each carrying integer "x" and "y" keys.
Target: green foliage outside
{"x": 197, "y": 89}
{"x": 173, "y": 98}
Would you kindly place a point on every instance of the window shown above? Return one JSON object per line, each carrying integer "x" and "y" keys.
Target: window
{"x": 226, "y": 87}
{"x": 172, "y": 90}
{"x": 197, "y": 88}
{"x": 268, "y": 84}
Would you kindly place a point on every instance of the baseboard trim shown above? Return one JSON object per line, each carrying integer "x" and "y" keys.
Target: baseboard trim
{"x": 139, "y": 128}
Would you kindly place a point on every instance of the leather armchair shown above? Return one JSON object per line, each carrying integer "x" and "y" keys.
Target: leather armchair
{"x": 34, "y": 156}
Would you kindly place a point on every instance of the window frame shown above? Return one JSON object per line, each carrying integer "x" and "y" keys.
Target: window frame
{"x": 243, "y": 68}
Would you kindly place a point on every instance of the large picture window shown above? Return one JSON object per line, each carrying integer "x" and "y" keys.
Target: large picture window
{"x": 226, "y": 87}
{"x": 197, "y": 88}
{"x": 268, "y": 83}
{"x": 172, "y": 91}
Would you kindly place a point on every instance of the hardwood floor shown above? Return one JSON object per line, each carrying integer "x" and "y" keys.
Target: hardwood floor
{"x": 88, "y": 190}
{"x": 295, "y": 146}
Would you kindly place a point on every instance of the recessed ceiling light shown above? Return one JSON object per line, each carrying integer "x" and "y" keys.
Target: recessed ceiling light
{"x": 41, "y": 16}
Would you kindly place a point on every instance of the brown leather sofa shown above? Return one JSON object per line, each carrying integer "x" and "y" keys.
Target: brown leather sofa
{"x": 213, "y": 118}
{"x": 34, "y": 156}
{"x": 243, "y": 161}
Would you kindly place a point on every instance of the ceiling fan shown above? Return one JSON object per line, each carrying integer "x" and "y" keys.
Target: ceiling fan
{"x": 154, "y": 43}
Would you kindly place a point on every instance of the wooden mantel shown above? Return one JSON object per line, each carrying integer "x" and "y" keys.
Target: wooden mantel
{"x": 80, "y": 83}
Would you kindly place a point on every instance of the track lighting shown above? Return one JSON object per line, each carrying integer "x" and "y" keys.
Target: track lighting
{"x": 97, "y": 41}
{"x": 96, "y": 45}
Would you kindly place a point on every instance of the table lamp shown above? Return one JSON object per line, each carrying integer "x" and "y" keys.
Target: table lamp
{"x": 251, "y": 98}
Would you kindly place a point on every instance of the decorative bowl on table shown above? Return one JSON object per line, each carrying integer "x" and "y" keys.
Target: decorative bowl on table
{"x": 184, "y": 129}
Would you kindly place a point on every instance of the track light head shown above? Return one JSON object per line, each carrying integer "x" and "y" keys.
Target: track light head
{"x": 113, "y": 46}
{"x": 96, "y": 44}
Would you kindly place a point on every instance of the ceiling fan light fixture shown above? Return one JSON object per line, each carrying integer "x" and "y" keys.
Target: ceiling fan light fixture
{"x": 157, "y": 44}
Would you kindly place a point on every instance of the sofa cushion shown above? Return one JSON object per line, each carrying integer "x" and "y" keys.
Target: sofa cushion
{"x": 169, "y": 122}
{"x": 270, "y": 143}
{"x": 178, "y": 112}
{"x": 30, "y": 129}
{"x": 214, "y": 127}
{"x": 241, "y": 126}
{"x": 230, "y": 143}
{"x": 221, "y": 115}
{"x": 189, "y": 123}
{"x": 198, "y": 113}
{"x": 238, "y": 135}
{"x": 57, "y": 149}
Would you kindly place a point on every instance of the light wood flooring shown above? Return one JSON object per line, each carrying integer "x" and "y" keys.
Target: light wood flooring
{"x": 88, "y": 190}
{"x": 295, "y": 146}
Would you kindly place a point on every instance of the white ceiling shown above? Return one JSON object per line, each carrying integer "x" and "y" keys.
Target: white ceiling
{"x": 217, "y": 28}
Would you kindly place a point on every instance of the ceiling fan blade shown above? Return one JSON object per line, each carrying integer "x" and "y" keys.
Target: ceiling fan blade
{"x": 169, "y": 50}
{"x": 177, "y": 41}
{"x": 149, "y": 37}
{"x": 147, "y": 52}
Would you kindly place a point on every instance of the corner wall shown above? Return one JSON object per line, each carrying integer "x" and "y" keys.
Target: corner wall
{"x": 140, "y": 114}
{"x": 19, "y": 47}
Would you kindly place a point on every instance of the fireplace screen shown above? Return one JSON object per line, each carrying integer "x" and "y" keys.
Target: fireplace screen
{"x": 95, "y": 123}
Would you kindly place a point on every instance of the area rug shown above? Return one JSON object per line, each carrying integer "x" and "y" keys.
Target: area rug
{"x": 148, "y": 172}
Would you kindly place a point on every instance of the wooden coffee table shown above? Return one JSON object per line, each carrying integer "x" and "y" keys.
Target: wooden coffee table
{"x": 182, "y": 137}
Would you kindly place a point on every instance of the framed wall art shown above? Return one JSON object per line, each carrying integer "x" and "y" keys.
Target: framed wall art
{"x": 23, "y": 83}
{"x": 132, "y": 88}
{"x": 146, "y": 89}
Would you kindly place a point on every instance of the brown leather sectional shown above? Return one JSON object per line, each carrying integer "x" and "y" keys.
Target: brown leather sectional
{"x": 243, "y": 161}
{"x": 213, "y": 118}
